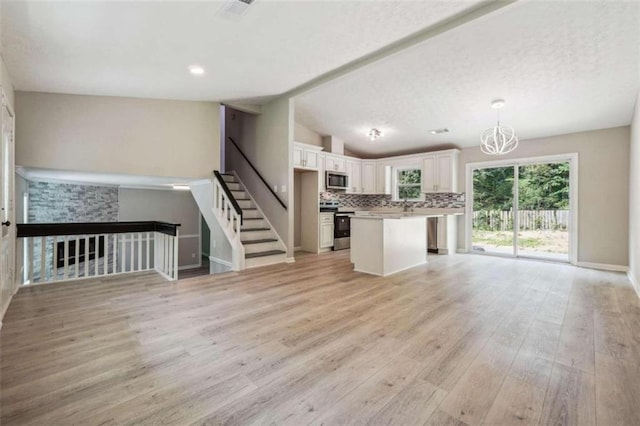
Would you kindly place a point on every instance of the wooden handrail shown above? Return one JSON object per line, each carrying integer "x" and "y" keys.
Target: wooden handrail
{"x": 229, "y": 195}
{"x": 258, "y": 173}
{"x": 91, "y": 228}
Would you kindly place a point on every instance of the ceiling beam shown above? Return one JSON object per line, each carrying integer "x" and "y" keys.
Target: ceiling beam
{"x": 416, "y": 38}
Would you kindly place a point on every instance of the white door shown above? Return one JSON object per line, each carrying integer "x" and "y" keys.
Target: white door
{"x": 368, "y": 178}
{"x": 444, "y": 173}
{"x": 429, "y": 174}
{"x": 297, "y": 156}
{"x": 326, "y": 235}
{"x": 8, "y": 227}
{"x": 310, "y": 159}
{"x": 356, "y": 177}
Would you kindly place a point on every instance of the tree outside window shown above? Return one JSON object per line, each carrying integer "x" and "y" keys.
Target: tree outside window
{"x": 409, "y": 185}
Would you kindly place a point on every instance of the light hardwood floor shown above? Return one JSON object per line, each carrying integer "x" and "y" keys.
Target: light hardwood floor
{"x": 464, "y": 340}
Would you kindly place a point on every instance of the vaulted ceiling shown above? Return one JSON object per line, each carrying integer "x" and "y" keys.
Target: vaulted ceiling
{"x": 143, "y": 49}
{"x": 562, "y": 67}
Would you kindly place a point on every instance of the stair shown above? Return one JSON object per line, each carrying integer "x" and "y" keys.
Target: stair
{"x": 261, "y": 243}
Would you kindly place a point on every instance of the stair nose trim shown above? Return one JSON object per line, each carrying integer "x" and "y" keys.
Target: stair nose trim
{"x": 265, "y": 240}
{"x": 263, "y": 254}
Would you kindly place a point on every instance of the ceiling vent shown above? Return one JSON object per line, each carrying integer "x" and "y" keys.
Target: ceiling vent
{"x": 235, "y": 8}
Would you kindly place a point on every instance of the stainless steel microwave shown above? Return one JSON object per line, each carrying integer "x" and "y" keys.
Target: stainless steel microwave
{"x": 337, "y": 180}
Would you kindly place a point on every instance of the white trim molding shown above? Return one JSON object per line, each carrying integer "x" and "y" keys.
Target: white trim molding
{"x": 635, "y": 284}
{"x": 221, "y": 261}
{"x": 573, "y": 160}
{"x": 603, "y": 266}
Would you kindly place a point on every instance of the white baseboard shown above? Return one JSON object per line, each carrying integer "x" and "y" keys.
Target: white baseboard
{"x": 299, "y": 248}
{"x": 290, "y": 260}
{"x": 462, "y": 251}
{"x": 634, "y": 283}
{"x": 603, "y": 266}
{"x": 192, "y": 266}
{"x": 220, "y": 261}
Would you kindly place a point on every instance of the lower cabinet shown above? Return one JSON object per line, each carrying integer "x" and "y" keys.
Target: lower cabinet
{"x": 326, "y": 230}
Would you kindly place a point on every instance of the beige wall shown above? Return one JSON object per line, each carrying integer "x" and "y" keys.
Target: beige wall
{"x": 165, "y": 206}
{"x": 634, "y": 199}
{"x": 306, "y": 135}
{"x": 117, "y": 135}
{"x": 297, "y": 209}
{"x": 603, "y": 188}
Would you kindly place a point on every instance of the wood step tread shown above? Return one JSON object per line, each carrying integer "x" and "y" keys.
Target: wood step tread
{"x": 252, "y": 218}
{"x": 263, "y": 253}
{"x": 254, "y": 229}
{"x": 264, "y": 240}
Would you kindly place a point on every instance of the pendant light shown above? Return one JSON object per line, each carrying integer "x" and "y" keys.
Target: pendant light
{"x": 498, "y": 140}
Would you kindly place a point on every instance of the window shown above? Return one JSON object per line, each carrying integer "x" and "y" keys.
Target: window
{"x": 409, "y": 185}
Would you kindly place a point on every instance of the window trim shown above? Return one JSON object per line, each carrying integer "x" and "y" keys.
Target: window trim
{"x": 397, "y": 185}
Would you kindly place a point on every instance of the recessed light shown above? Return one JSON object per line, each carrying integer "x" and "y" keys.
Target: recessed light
{"x": 181, "y": 187}
{"x": 196, "y": 69}
{"x": 439, "y": 131}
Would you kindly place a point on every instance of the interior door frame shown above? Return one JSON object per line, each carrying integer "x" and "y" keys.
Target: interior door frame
{"x": 572, "y": 158}
{"x": 12, "y": 283}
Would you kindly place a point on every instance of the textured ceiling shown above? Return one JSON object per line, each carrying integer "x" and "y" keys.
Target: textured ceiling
{"x": 142, "y": 49}
{"x": 561, "y": 66}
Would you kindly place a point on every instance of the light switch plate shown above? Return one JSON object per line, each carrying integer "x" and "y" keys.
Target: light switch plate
{"x": 283, "y": 188}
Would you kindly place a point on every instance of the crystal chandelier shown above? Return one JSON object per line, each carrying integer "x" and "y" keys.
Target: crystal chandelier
{"x": 498, "y": 140}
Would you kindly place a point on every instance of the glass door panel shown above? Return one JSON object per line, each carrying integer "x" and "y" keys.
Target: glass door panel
{"x": 493, "y": 207}
{"x": 543, "y": 210}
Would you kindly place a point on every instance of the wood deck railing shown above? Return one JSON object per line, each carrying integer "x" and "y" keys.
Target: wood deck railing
{"x": 71, "y": 251}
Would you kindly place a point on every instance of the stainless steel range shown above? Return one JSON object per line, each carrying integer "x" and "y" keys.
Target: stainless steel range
{"x": 341, "y": 224}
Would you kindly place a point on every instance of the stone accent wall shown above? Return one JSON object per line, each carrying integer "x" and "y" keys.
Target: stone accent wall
{"x": 57, "y": 202}
{"x": 441, "y": 200}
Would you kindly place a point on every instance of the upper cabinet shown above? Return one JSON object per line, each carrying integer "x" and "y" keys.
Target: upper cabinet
{"x": 306, "y": 156}
{"x": 368, "y": 177}
{"x": 376, "y": 178}
{"x": 383, "y": 179}
{"x": 354, "y": 170}
{"x": 336, "y": 163}
{"x": 440, "y": 171}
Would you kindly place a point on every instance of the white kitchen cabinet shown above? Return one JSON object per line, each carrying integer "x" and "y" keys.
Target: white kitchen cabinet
{"x": 440, "y": 172}
{"x": 336, "y": 163}
{"x": 326, "y": 230}
{"x": 305, "y": 156}
{"x": 383, "y": 179}
{"x": 354, "y": 170}
{"x": 321, "y": 173}
{"x": 297, "y": 156}
{"x": 368, "y": 177}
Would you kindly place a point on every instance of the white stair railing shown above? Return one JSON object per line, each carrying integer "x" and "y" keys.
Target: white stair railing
{"x": 230, "y": 218}
{"x": 72, "y": 251}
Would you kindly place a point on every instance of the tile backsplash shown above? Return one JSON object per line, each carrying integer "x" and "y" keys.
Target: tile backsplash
{"x": 445, "y": 200}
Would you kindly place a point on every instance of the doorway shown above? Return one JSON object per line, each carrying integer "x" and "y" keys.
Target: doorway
{"x": 7, "y": 206}
{"x": 524, "y": 208}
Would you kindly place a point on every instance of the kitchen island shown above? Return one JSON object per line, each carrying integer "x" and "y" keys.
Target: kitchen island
{"x": 383, "y": 244}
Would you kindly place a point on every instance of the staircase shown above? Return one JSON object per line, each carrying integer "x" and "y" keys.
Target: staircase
{"x": 261, "y": 244}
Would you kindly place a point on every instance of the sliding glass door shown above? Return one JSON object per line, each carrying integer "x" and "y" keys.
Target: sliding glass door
{"x": 493, "y": 200}
{"x": 522, "y": 210}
